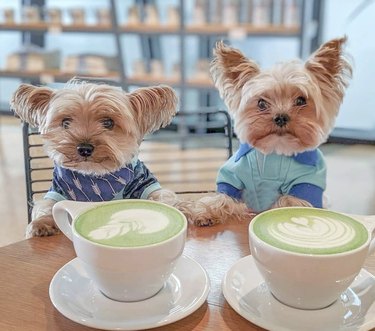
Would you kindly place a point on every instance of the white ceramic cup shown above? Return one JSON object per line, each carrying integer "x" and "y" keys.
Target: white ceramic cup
{"x": 122, "y": 273}
{"x": 311, "y": 279}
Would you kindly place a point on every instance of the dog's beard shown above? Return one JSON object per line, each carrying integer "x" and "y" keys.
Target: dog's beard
{"x": 304, "y": 129}
{"x": 108, "y": 155}
{"x": 297, "y": 136}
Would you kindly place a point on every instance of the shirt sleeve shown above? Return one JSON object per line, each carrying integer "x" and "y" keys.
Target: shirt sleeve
{"x": 228, "y": 181}
{"x": 53, "y": 195}
{"x": 143, "y": 184}
{"x": 306, "y": 181}
{"x": 308, "y": 192}
{"x": 55, "y": 192}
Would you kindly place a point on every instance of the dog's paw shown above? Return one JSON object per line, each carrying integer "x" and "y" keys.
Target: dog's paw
{"x": 290, "y": 201}
{"x": 203, "y": 220}
{"x": 42, "y": 227}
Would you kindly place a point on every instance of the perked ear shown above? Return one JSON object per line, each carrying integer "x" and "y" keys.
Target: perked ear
{"x": 30, "y": 103}
{"x": 331, "y": 68}
{"x": 153, "y": 107}
{"x": 230, "y": 70}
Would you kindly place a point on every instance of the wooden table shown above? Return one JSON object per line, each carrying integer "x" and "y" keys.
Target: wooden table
{"x": 27, "y": 268}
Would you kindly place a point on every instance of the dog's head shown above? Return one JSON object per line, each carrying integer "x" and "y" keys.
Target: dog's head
{"x": 289, "y": 108}
{"x": 94, "y": 129}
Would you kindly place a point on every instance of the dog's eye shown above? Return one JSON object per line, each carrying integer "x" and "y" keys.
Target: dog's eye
{"x": 65, "y": 123}
{"x": 108, "y": 123}
{"x": 300, "y": 101}
{"x": 262, "y": 104}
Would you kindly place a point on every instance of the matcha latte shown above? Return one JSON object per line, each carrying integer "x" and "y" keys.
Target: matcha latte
{"x": 309, "y": 231}
{"x": 139, "y": 223}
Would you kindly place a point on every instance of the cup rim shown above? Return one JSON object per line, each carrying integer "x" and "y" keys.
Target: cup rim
{"x": 81, "y": 237}
{"x": 325, "y": 256}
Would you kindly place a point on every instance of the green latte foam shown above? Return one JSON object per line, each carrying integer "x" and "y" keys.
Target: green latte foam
{"x": 309, "y": 231}
{"x": 129, "y": 224}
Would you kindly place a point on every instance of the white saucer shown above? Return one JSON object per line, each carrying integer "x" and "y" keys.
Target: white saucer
{"x": 76, "y": 297}
{"x": 248, "y": 295}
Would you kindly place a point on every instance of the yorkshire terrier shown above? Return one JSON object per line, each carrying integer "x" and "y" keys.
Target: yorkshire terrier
{"x": 280, "y": 116}
{"x": 92, "y": 132}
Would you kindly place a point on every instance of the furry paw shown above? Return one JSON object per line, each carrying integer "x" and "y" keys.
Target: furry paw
{"x": 201, "y": 213}
{"x": 290, "y": 201}
{"x": 42, "y": 227}
{"x": 219, "y": 208}
{"x": 204, "y": 221}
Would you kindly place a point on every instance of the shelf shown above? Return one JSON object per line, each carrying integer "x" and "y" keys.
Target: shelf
{"x": 49, "y": 76}
{"x": 214, "y": 29}
{"x": 150, "y": 34}
{"x": 206, "y": 29}
{"x": 246, "y": 29}
{"x": 200, "y": 83}
{"x": 150, "y": 29}
{"x": 46, "y": 27}
{"x": 152, "y": 80}
{"x": 146, "y": 80}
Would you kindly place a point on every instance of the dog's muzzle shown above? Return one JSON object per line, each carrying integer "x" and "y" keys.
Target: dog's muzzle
{"x": 85, "y": 149}
{"x": 281, "y": 120}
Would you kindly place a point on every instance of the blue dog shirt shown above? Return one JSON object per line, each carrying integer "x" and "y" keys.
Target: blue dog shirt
{"x": 134, "y": 181}
{"x": 259, "y": 179}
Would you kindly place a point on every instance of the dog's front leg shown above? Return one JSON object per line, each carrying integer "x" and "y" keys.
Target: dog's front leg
{"x": 42, "y": 223}
{"x": 170, "y": 198}
{"x": 290, "y": 201}
{"x": 219, "y": 208}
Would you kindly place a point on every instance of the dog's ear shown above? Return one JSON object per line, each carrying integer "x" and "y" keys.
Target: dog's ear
{"x": 153, "y": 107}
{"x": 331, "y": 68}
{"x": 30, "y": 103}
{"x": 230, "y": 70}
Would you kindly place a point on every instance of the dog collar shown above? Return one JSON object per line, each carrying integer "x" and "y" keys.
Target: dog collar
{"x": 308, "y": 157}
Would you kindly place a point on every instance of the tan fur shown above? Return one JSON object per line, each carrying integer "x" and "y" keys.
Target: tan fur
{"x": 290, "y": 201}
{"x": 86, "y": 106}
{"x": 230, "y": 71}
{"x": 219, "y": 208}
{"x": 153, "y": 107}
{"x": 321, "y": 81}
{"x": 30, "y": 103}
{"x": 43, "y": 223}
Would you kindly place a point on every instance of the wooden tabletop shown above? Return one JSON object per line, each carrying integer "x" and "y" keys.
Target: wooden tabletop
{"x": 27, "y": 268}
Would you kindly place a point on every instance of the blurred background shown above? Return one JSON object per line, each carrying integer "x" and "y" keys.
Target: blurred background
{"x": 143, "y": 42}
{"x": 133, "y": 43}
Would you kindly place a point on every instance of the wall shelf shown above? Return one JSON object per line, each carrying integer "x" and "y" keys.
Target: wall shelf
{"x": 54, "y": 75}
{"x": 44, "y": 27}
{"x": 247, "y": 29}
{"x": 149, "y": 35}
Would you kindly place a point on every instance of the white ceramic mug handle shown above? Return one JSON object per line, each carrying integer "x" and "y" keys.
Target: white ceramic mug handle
{"x": 369, "y": 223}
{"x": 65, "y": 211}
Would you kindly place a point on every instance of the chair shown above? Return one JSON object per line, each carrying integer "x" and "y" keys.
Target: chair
{"x": 185, "y": 156}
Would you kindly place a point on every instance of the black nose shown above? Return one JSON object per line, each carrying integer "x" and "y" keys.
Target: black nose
{"x": 281, "y": 120}
{"x": 85, "y": 149}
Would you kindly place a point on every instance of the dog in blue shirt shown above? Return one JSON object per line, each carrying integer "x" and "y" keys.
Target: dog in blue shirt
{"x": 281, "y": 116}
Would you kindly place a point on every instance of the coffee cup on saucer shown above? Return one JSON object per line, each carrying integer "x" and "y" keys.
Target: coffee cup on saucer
{"x": 309, "y": 256}
{"x": 129, "y": 248}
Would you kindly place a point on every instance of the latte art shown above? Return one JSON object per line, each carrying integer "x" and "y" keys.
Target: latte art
{"x": 317, "y": 231}
{"x": 139, "y": 221}
{"x": 131, "y": 224}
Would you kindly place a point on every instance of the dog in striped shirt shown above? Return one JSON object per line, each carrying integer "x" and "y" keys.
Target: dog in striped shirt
{"x": 92, "y": 132}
